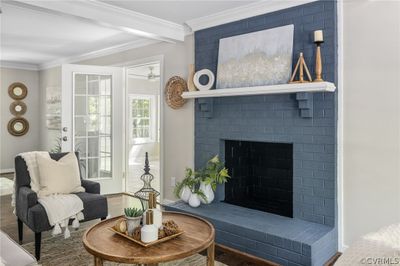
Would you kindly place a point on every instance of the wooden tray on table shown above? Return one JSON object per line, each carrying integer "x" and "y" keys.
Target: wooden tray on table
{"x": 161, "y": 240}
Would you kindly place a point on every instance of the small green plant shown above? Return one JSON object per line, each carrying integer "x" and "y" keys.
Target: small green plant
{"x": 133, "y": 212}
{"x": 190, "y": 181}
{"x": 214, "y": 173}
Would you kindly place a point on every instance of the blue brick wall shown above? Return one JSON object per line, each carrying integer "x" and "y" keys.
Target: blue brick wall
{"x": 276, "y": 118}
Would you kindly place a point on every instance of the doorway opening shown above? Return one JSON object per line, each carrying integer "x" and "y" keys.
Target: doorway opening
{"x": 143, "y": 124}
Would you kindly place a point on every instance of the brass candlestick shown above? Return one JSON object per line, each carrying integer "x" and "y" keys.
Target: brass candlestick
{"x": 318, "y": 40}
{"x": 318, "y": 63}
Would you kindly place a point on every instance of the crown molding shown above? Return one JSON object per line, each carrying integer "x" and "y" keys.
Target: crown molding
{"x": 18, "y": 65}
{"x": 98, "y": 53}
{"x": 242, "y": 12}
{"x": 111, "y": 16}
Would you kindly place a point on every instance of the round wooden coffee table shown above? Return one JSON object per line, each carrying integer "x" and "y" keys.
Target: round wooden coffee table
{"x": 103, "y": 244}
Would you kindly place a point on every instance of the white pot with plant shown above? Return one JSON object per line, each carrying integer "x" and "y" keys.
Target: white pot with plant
{"x": 133, "y": 218}
{"x": 183, "y": 189}
{"x": 202, "y": 183}
{"x": 214, "y": 173}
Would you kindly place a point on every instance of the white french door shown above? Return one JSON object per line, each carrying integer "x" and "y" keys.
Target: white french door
{"x": 92, "y": 122}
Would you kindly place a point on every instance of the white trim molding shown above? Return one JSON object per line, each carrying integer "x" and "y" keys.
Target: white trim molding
{"x": 340, "y": 186}
{"x": 242, "y": 12}
{"x": 7, "y": 171}
{"x": 262, "y": 90}
{"x": 95, "y": 54}
{"x": 18, "y": 65}
{"x": 111, "y": 16}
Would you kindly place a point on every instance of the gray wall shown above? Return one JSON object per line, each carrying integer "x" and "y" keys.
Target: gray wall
{"x": 371, "y": 133}
{"x": 11, "y": 145}
{"x": 276, "y": 118}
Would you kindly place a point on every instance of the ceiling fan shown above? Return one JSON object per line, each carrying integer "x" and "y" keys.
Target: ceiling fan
{"x": 151, "y": 76}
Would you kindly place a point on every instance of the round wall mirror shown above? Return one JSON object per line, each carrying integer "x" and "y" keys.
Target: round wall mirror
{"x": 17, "y": 91}
{"x": 18, "y": 126}
{"x": 18, "y": 108}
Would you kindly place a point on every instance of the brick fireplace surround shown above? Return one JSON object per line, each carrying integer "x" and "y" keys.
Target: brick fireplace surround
{"x": 310, "y": 237}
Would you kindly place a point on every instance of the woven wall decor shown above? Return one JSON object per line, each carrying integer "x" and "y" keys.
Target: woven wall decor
{"x": 173, "y": 92}
{"x": 18, "y": 126}
{"x": 17, "y": 108}
{"x": 17, "y": 91}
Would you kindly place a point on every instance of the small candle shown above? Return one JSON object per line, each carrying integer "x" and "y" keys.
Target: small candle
{"x": 318, "y": 36}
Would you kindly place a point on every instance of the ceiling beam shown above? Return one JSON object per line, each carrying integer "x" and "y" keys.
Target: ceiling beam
{"x": 111, "y": 16}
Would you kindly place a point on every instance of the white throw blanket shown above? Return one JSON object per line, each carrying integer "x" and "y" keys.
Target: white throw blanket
{"x": 60, "y": 207}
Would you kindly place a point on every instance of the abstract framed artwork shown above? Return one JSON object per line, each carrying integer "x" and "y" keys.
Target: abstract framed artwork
{"x": 256, "y": 59}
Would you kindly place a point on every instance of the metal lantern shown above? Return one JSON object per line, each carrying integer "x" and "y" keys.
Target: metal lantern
{"x": 143, "y": 193}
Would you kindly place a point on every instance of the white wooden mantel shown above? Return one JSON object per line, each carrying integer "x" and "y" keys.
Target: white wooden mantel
{"x": 304, "y": 95}
{"x": 261, "y": 90}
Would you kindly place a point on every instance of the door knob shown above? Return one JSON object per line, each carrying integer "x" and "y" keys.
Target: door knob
{"x": 65, "y": 138}
{"x": 65, "y": 129}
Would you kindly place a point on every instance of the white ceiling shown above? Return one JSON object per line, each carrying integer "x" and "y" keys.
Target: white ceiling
{"x": 178, "y": 11}
{"x": 34, "y": 37}
{"x": 40, "y": 34}
{"x": 143, "y": 71}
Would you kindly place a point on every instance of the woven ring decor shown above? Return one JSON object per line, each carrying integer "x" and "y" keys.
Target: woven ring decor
{"x": 173, "y": 92}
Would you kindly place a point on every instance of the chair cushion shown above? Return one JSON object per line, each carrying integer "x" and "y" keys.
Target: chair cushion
{"x": 60, "y": 176}
{"x": 95, "y": 206}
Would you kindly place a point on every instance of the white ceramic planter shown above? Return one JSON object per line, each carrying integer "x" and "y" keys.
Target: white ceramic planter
{"x": 132, "y": 223}
{"x": 185, "y": 194}
{"x": 208, "y": 192}
{"x": 194, "y": 201}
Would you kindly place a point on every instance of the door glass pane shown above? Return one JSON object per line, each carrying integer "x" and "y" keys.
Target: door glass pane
{"x": 93, "y": 124}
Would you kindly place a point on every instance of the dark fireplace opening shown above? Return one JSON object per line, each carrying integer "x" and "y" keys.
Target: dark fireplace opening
{"x": 262, "y": 176}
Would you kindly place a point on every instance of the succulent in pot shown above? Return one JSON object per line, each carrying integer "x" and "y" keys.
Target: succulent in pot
{"x": 133, "y": 218}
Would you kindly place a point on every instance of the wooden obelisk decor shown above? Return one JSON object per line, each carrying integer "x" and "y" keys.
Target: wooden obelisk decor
{"x": 318, "y": 40}
{"x": 301, "y": 66}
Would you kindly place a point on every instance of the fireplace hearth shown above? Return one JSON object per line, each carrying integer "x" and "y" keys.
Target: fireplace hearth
{"x": 262, "y": 176}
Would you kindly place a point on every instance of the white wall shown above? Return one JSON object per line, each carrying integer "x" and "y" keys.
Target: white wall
{"x": 11, "y": 145}
{"x": 371, "y": 176}
{"x": 48, "y": 78}
{"x": 178, "y": 124}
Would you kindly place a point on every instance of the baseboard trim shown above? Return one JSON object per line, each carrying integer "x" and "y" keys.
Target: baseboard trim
{"x": 332, "y": 260}
{"x": 7, "y": 171}
{"x": 245, "y": 256}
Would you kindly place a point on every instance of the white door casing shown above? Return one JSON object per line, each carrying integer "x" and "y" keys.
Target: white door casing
{"x": 114, "y": 77}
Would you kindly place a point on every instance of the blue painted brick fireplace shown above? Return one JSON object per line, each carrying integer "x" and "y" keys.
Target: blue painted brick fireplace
{"x": 277, "y": 118}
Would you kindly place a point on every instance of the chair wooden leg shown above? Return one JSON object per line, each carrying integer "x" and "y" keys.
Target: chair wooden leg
{"x": 20, "y": 231}
{"x": 38, "y": 240}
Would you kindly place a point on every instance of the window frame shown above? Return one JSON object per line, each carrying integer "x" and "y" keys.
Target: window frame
{"x": 152, "y": 114}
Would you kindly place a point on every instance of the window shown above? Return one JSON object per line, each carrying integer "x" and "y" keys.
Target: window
{"x": 142, "y": 113}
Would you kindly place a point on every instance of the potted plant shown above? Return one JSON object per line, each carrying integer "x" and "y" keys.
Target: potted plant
{"x": 183, "y": 189}
{"x": 196, "y": 198}
{"x": 133, "y": 217}
{"x": 214, "y": 173}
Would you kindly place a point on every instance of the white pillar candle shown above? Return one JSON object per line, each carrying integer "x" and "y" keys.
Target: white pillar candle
{"x": 318, "y": 36}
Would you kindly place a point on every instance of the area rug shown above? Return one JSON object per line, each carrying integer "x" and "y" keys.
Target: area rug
{"x": 6, "y": 186}
{"x": 59, "y": 251}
